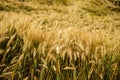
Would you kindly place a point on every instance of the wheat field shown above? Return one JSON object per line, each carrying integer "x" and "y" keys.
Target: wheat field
{"x": 59, "y": 40}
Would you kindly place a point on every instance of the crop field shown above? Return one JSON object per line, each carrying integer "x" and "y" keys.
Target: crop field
{"x": 59, "y": 40}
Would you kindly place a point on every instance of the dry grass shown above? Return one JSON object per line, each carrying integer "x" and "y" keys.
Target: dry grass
{"x": 58, "y": 42}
